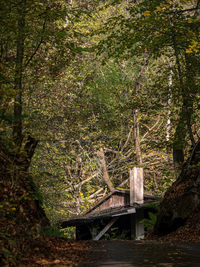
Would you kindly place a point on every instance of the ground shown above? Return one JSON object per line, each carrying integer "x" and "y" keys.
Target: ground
{"x": 142, "y": 254}
{"x": 55, "y": 252}
{"x": 50, "y": 251}
{"x": 189, "y": 232}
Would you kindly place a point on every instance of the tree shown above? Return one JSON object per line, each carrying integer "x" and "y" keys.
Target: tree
{"x": 32, "y": 32}
{"x": 155, "y": 28}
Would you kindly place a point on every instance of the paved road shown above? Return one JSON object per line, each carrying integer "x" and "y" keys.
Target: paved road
{"x": 140, "y": 253}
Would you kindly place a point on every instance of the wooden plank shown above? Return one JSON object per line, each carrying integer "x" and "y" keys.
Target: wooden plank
{"x": 105, "y": 229}
{"x": 128, "y": 212}
{"x": 133, "y": 210}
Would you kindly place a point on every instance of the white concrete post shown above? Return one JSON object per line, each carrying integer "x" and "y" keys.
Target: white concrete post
{"x": 136, "y": 186}
{"x": 137, "y": 196}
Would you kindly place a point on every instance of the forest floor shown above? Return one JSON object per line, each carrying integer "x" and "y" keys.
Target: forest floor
{"x": 55, "y": 252}
{"x": 51, "y": 251}
{"x": 189, "y": 232}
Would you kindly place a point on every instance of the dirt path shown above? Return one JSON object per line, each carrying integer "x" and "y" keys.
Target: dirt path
{"x": 139, "y": 253}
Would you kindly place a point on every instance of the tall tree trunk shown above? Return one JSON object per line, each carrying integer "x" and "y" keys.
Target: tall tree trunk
{"x": 136, "y": 113}
{"x": 106, "y": 177}
{"x": 168, "y": 126}
{"x": 137, "y": 137}
{"x": 180, "y": 132}
{"x": 179, "y": 142}
{"x": 190, "y": 92}
{"x": 17, "y": 125}
{"x": 184, "y": 126}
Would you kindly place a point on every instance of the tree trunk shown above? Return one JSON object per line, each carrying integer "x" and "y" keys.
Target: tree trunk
{"x": 105, "y": 171}
{"x": 168, "y": 125}
{"x": 136, "y": 113}
{"x": 188, "y": 90}
{"x": 179, "y": 142}
{"x": 17, "y": 124}
{"x": 18, "y": 184}
{"x": 180, "y": 132}
{"x": 191, "y": 91}
{"x": 137, "y": 138}
{"x": 24, "y": 158}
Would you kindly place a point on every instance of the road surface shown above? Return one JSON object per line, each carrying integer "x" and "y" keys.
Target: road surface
{"x": 142, "y": 253}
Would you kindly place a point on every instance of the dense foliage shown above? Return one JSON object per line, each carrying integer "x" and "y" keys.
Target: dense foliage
{"x": 90, "y": 89}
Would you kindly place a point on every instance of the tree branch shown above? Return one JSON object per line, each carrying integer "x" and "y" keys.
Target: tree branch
{"x": 107, "y": 180}
{"x": 82, "y": 183}
{"x": 39, "y": 44}
{"x": 150, "y": 129}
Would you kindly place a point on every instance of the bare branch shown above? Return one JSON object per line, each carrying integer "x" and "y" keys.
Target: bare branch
{"x": 107, "y": 180}
{"x": 188, "y": 10}
{"x": 124, "y": 182}
{"x": 95, "y": 193}
{"x": 150, "y": 129}
{"x": 39, "y": 44}
{"x": 82, "y": 183}
{"x": 128, "y": 138}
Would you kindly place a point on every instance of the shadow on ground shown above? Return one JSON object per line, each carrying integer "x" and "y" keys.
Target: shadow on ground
{"x": 142, "y": 253}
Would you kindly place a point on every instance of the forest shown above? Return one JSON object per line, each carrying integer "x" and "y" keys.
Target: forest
{"x": 89, "y": 90}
